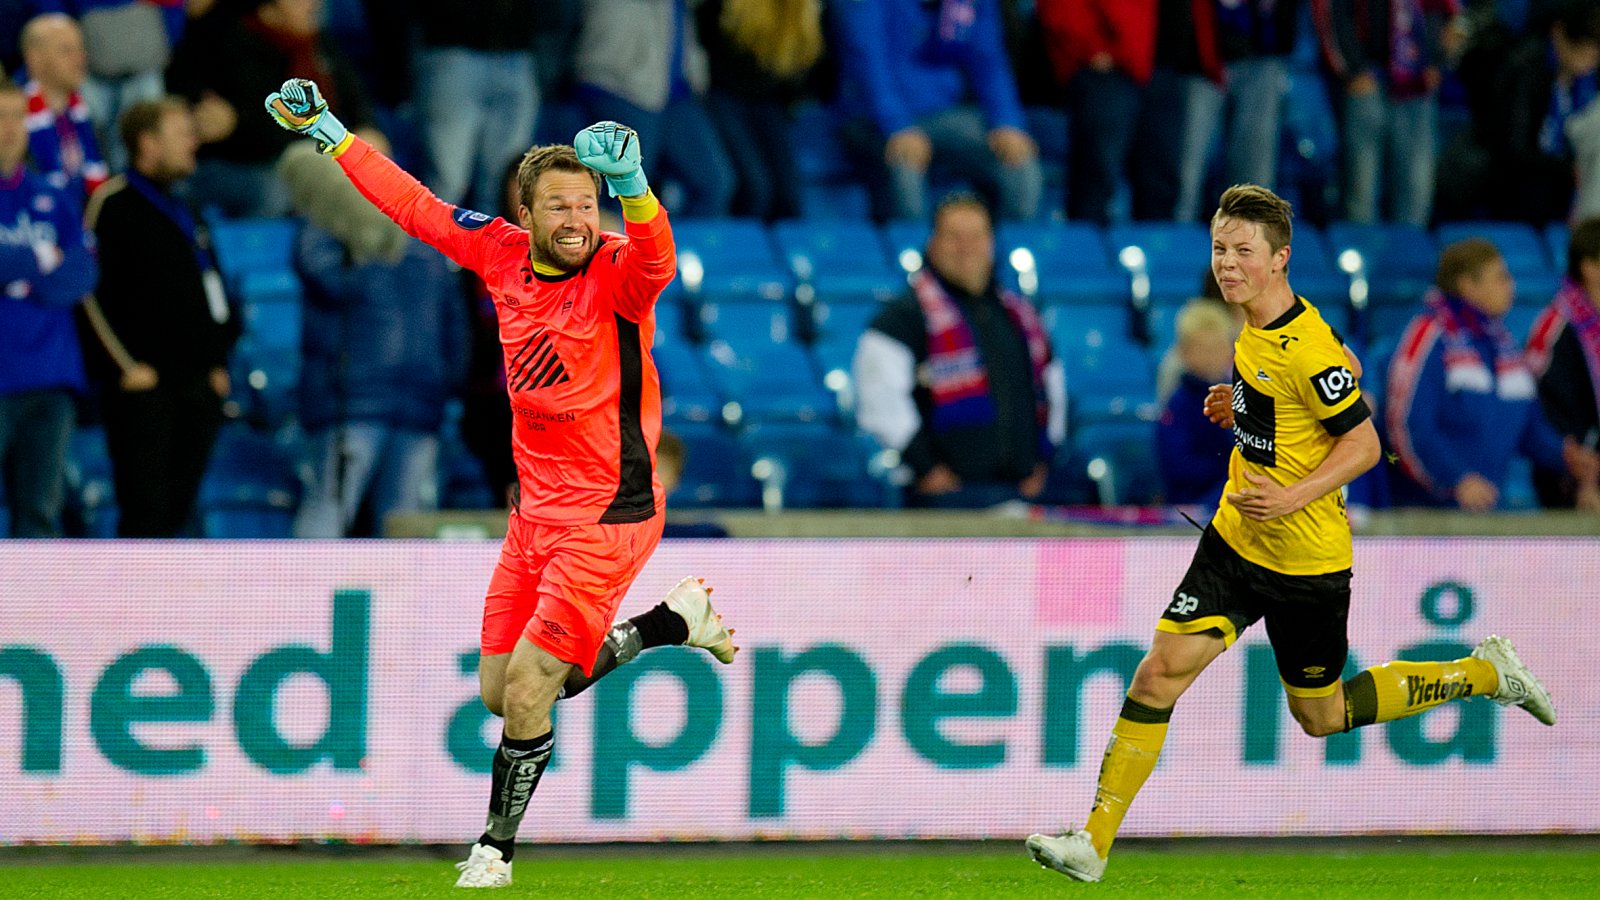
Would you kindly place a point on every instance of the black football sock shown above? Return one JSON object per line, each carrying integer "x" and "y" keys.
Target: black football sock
{"x": 517, "y": 767}
{"x": 660, "y": 627}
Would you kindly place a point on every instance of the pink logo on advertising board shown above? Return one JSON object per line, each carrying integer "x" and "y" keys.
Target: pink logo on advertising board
{"x": 1079, "y": 582}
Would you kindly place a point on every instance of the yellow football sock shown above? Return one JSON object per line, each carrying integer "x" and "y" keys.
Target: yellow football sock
{"x": 1130, "y": 758}
{"x": 1397, "y": 689}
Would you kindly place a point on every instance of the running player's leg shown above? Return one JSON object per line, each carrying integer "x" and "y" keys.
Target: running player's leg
{"x": 1208, "y": 611}
{"x": 1403, "y": 688}
{"x": 1167, "y": 670}
{"x": 510, "y": 602}
{"x": 582, "y": 573}
{"x": 684, "y": 618}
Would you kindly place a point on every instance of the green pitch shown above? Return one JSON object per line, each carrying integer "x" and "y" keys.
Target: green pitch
{"x": 1389, "y": 869}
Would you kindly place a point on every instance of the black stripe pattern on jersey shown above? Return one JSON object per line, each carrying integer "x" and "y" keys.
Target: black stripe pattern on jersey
{"x": 535, "y": 364}
{"x": 1255, "y": 423}
{"x": 635, "y": 500}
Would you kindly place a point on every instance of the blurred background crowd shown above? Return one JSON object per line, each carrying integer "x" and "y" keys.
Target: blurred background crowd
{"x": 207, "y": 332}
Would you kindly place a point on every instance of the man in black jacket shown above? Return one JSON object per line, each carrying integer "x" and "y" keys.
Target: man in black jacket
{"x": 162, "y": 317}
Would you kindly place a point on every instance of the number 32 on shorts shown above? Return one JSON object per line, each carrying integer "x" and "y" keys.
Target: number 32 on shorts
{"x": 1184, "y": 604}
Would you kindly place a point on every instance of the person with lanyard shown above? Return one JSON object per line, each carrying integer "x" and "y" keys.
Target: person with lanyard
{"x": 164, "y": 322}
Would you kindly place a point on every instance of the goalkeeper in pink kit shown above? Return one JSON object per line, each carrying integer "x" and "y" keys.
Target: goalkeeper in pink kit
{"x": 576, "y": 311}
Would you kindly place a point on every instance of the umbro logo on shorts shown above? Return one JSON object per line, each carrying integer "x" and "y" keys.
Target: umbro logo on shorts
{"x": 553, "y": 629}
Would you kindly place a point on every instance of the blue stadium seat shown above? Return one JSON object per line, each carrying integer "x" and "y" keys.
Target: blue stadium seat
{"x": 1314, "y": 273}
{"x": 1071, "y": 261}
{"x": 747, "y": 325}
{"x": 251, "y": 489}
{"x": 729, "y": 260}
{"x": 252, "y": 245}
{"x": 1120, "y": 458}
{"x": 267, "y": 379}
{"x": 1399, "y": 260}
{"x": 1388, "y": 321}
{"x": 1077, "y": 325}
{"x": 1520, "y": 319}
{"x": 716, "y": 471}
{"x": 833, "y": 322}
{"x": 686, "y": 393}
{"x": 775, "y": 381}
{"x": 1519, "y": 494}
{"x": 815, "y": 465}
{"x": 906, "y": 240}
{"x": 273, "y": 323}
{"x": 1556, "y": 237}
{"x": 834, "y": 356}
{"x": 841, "y": 260}
{"x": 835, "y": 200}
{"x": 1176, "y": 255}
{"x": 1108, "y": 379}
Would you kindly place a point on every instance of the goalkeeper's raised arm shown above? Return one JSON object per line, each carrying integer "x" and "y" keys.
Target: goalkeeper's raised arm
{"x": 458, "y": 233}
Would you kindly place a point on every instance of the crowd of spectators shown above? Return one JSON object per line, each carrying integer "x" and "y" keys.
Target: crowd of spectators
{"x": 144, "y": 116}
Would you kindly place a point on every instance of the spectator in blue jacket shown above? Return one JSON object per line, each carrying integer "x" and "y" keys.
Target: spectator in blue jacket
{"x": 1462, "y": 400}
{"x": 384, "y": 343}
{"x": 907, "y": 71}
{"x": 46, "y": 267}
{"x": 1193, "y": 451}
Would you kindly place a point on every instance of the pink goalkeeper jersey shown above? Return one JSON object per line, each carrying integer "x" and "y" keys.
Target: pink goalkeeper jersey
{"x": 585, "y": 395}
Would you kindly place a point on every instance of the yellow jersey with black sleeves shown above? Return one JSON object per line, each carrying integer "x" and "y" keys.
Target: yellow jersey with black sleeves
{"x": 1293, "y": 394}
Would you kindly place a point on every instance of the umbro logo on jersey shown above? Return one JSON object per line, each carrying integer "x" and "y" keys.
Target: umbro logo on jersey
{"x": 536, "y": 364}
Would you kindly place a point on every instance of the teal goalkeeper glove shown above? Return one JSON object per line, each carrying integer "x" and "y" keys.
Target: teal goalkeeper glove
{"x": 299, "y": 107}
{"x": 613, "y": 151}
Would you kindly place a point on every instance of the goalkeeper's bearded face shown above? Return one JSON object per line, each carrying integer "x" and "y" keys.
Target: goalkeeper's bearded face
{"x": 564, "y": 221}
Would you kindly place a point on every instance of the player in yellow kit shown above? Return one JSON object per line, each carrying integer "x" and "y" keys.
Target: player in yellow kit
{"x": 1279, "y": 547}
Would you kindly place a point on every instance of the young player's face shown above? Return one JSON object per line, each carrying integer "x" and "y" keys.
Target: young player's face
{"x": 564, "y": 222}
{"x": 13, "y": 131}
{"x": 1491, "y": 290}
{"x": 1242, "y": 260}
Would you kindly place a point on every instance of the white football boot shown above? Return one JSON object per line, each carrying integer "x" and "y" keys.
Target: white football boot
{"x": 1517, "y": 686}
{"x": 1072, "y": 854}
{"x": 484, "y": 868}
{"x": 691, "y": 600}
